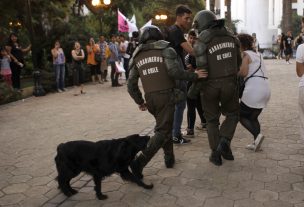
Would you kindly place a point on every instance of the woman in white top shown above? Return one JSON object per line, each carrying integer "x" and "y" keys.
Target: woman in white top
{"x": 257, "y": 91}
{"x": 300, "y": 73}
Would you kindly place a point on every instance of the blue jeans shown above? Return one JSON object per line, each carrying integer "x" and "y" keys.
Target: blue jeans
{"x": 59, "y": 75}
{"x": 179, "y": 110}
{"x": 178, "y": 118}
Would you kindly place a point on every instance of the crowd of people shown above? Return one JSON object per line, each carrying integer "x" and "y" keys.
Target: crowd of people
{"x": 96, "y": 55}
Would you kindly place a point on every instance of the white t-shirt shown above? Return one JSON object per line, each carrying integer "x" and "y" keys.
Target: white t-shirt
{"x": 300, "y": 59}
{"x": 257, "y": 91}
{"x": 125, "y": 46}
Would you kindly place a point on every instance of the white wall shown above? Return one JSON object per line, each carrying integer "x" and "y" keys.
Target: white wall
{"x": 258, "y": 16}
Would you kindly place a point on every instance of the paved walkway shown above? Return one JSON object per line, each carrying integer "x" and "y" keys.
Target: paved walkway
{"x": 31, "y": 130}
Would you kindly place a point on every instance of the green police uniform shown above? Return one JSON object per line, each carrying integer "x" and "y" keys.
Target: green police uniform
{"x": 218, "y": 52}
{"x": 158, "y": 67}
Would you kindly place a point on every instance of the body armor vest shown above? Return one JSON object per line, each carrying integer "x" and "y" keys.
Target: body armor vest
{"x": 222, "y": 57}
{"x": 153, "y": 71}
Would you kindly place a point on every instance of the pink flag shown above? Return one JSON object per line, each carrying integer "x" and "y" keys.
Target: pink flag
{"x": 122, "y": 22}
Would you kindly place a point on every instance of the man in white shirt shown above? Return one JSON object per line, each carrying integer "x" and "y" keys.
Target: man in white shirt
{"x": 300, "y": 72}
{"x": 123, "y": 51}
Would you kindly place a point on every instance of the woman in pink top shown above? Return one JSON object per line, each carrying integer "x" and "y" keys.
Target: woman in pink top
{"x": 5, "y": 71}
{"x": 59, "y": 66}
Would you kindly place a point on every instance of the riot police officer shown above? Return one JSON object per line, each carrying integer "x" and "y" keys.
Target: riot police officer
{"x": 217, "y": 52}
{"x": 158, "y": 67}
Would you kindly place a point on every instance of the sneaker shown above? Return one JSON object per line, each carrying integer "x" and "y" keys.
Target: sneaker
{"x": 215, "y": 158}
{"x": 203, "y": 126}
{"x": 59, "y": 91}
{"x": 258, "y": 142}
{"x": 189, "y": 133}
{"x": 250, "y": 146}
{"x": 180, "y": 140}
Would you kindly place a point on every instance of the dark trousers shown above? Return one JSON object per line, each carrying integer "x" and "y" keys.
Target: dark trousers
{"x": 114, "y": 75}
{"x": 192, "y": 106}
{"x": 249, "y": 119}
{"x": 220, "y": 97}
{"x": 95, "y": 69}
{"x": 161, "y": 106}
{"x": 126, "y": 67}
{"x": 16, "y": 72}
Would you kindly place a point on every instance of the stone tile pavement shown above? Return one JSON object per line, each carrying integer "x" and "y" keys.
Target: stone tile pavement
{"x": 31, "y": 129}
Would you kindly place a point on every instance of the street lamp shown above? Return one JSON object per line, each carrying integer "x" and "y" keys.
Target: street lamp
{"x": 161, "y": 17}
{"x": 15, "y": 25}
{"x": 100, "y": 7}
{"x": 161, "y": 20}
{"x": 97, "y": 3}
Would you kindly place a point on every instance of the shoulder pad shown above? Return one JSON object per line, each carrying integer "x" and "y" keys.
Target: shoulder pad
{"x": 136, "y": 51}
{"x": 237, "y": 42}
{"x": 199, "y": 48}
{"x": 161, "y": 44}
{"x": 169, "y": 52}
{"x": 205, "y": 36}
{"x": 131, "y": 62}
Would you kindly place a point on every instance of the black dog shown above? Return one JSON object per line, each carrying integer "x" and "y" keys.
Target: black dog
{"x": 99, "y": 159}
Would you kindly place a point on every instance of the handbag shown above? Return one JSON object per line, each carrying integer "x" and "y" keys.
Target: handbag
{"x": 97, "y": 57}
{"x": 242, "y": 81}
{"x": 119, "y": 67}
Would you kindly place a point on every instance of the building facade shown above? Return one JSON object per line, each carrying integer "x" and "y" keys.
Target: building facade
{"x": 262, "y": 17}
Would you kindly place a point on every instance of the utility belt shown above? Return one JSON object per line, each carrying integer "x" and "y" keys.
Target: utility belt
{"x": 230, "y": 77}
{"x": 177, "y": 94}
{"x": 170, "y": 90}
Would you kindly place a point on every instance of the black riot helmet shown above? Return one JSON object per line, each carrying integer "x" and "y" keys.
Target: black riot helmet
{"x": 203, "y": 20}
{"x": 150, "y": 33}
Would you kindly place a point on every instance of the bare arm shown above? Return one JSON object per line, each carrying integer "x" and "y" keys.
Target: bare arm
{"x": 75, "y": 57}
{"x": 89, "y": 49}
{"x": 12, "y": 57}
{"x": 54, "y": 53}
{"x": 96, "y": 48}
{"x": 245, "y": 65}
{"x": 9, "y": 49}
{"x": 188, "y": 48}
{"x": 300, "y": 69}
{"x": 28, "y": 48}
{"x": 82, "y": 55}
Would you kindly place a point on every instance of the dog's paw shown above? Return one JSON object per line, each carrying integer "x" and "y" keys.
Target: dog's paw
{"x": 101, "y": 196}
{"x": 148, "y": 186}
{"x": 73, "y": 191}
{"x": 67, "y": 193}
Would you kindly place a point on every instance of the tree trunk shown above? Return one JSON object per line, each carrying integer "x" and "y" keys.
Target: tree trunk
{"x": 212, "y": 5}
{"x": 30, "y": 28}
{"x": 228, "y": 16}
{"x": 229, "y": 23}
{"x": 287, "y": 16}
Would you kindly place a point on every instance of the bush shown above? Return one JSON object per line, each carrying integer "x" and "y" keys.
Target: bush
{"x": 7, "y": 95}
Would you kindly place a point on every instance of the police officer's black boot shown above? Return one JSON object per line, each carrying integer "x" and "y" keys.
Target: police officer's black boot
{"x": 137, "y": 165}
{"x": 169, "y": 160}
{"x": 224, "y": 149}
{"x": 215, "y": 158}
